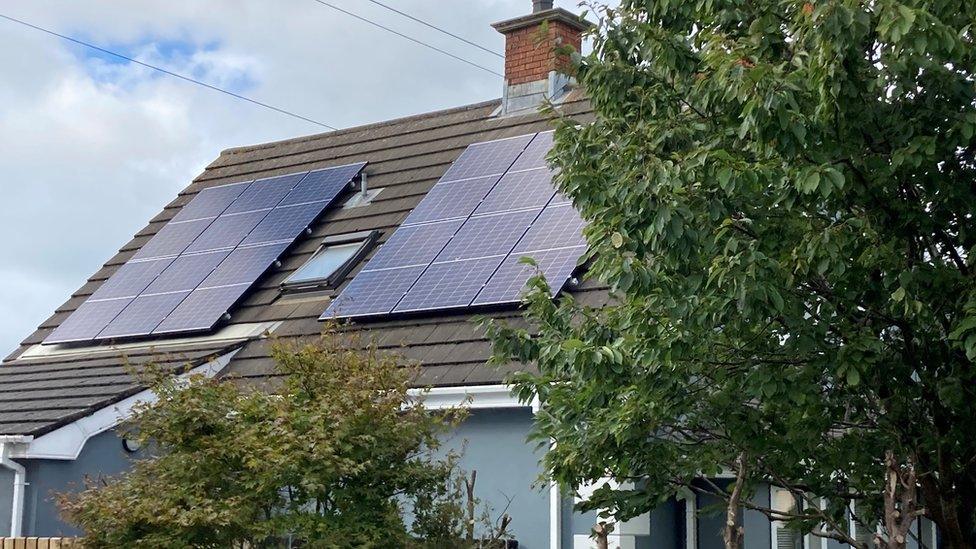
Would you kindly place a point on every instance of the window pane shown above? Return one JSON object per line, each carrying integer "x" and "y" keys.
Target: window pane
{"x": 325, "y": 262}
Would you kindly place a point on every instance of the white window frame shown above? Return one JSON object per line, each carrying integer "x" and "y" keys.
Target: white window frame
{"x": 691, "y": 517}
{"x": 776, "y": 525}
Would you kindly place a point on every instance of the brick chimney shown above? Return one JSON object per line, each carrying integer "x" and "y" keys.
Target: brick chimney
{"x": 534, "y": 72}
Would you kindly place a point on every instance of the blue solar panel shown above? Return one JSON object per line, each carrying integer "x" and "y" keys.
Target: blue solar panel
{"x": 324, "y": 184}
{"x": 172, "y": 239}
{"x": 245, "y": 265}
{"x": 519, "y": 190}
{"x": 496, "y": 197}
{"x": 372, "y": 293}
{"x": 454, "y": 199}
{"x": 87, "y": 320}
{"x": 487, "y": 236}
{"x": 535, "y": 153}
{"x": 556, "y": 227}
{"x": 264, "y": 193}
{"x": 508, "y": 282}
{"x": 131, "y": 279}
{"x": 284, "y": 222}
{"x": 202, "y": 256}
{"x": 448, "y": 285}
{"x": 210, "y": 202}
{"x": 414, "y": 245}
{"x": 201, "y": 309}
{"x": 186, "y": 272}
{"x": 488, "y": 158}
{"x": 227, "y": 231}
{"x": 142, "y": 315}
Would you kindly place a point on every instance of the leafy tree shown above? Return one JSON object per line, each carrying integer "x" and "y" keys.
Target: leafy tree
{"x": 331, "y": 458}
{"x": 780, "y": 197}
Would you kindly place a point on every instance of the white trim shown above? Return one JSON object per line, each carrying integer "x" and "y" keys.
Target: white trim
{"x": 7, "y": 443}
{"x": 66, "y": 442}
{"x": 471, "y": 397}
{"x": 691, "y": 517}
{"x": 555, "y": 516}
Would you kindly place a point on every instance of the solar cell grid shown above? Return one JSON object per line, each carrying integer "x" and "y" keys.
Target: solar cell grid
{"x": 324, "y": 184}
{"x": 227, "y": 231}
{"x": 172, "y": 239}
{"x": 201, "y": 309}
{"x": 449, "y": 285}
{"x": 534, "y": 155}
{"x": 414, "y": 245}
{"x": 186, "y": 272}
{"x": 210, "y": 202}
{"x": 142, "y": 315}
{"x": 508, "y": 282}
{"x": 556, "y": 227}
{"x": 481, "y": 159}
{"x": 131, "y": 279}
{"x": 88, "y": 319}
{"x": 373, "y": 292}
{"x": 453, "y": 199}
{"x": 488, "y": 235}
{"x": 284, "y": 222}
{"x": 526, "y": 189}
{"x": 264, "y": 193}
{"x": 245, "y": 264}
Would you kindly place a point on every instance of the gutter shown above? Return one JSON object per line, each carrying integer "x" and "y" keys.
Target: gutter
{"x": 7, "y": 443}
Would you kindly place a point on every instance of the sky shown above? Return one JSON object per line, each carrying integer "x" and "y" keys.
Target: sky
{"x": 91, "y": 147}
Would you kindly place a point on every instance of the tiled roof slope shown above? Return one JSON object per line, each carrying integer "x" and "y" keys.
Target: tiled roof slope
{"x": 406, "y": 157}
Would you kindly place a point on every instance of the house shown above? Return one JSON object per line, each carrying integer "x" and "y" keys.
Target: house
{"x": 66, "y": 388}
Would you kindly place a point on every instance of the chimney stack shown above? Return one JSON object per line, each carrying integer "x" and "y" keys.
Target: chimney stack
{"x": 534, "y": 72}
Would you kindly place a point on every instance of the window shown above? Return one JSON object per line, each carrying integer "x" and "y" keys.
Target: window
{"x": 782, "y": 500}
{"x": 331, "y": 262}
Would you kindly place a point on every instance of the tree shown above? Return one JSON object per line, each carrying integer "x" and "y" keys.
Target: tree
{"x": 780, "y": 197}
{"x": 331, "y": 458}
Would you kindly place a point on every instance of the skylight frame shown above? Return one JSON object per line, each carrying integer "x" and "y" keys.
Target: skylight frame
{"x": 366, "y": 240}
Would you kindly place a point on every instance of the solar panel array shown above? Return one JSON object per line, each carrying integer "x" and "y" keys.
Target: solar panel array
{"x": 461, "y": 246}
{"x": 193, "y": 271}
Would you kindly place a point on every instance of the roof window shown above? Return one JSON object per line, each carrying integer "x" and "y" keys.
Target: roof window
{"x": 329, "y": 265}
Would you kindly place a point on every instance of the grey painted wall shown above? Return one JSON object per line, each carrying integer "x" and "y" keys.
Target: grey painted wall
{"x": 6, "y": 499}
{"x": 102, "y": 455}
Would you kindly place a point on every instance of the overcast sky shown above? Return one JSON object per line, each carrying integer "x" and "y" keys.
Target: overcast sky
{"x": 91, "y": 148}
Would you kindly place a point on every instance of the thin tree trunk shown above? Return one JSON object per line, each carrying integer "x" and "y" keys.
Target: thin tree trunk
{"x": 600, "y": 532}
{"x": 469, "y": 486}
{"x": 733, "y": 532}
{"x": 900, "y": 502}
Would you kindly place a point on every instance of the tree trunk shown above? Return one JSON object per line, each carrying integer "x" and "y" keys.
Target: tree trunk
{"x": 469, "y": 486}
{"x": 733, "y": 532}
{"x": 600, "y": 532}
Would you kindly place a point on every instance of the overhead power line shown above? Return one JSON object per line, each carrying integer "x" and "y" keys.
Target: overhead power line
{"x": 438, "y": 29}
{"x": 410, "y": 38}
{"x": 169, "y": 73}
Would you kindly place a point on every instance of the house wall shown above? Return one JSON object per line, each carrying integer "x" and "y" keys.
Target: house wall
{"x": 102, "y": 455}
{"x": 6, "y": 499}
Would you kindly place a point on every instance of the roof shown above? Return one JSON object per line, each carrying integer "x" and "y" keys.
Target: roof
{"x": 40, "y": 391}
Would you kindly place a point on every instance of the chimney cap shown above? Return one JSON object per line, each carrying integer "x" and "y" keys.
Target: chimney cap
{"x": 541, "y": 5}
{"x": 537, "y": 18}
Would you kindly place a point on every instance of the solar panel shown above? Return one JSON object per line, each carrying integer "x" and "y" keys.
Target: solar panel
{"x": 264, "y": 193}
{"x": 458, "y": 246}
{"x": 322, "y": 185}
{"x": 453, "y": 199}
{"x": 508, "y": 282}
{"x": 88, "y": 319}
{"x": 525, "y": 189}
{"x": 245, "y": 264}
{"x": 142, "y": 315}
{"x": 373, "y": 292}
{"x": 448, "y": 285}
{"x": 414, "y": 245}
{"x": 200, "y": 264}
{"x": 211, "y": 202}
{"x": 488, "y": 158}
{"x": 131, "y": 279}
{"x": 557, "y": 227}
{"x": 172, "y": 239}
{"x": 201, "y": 309}
{"x": 535, "y": 153}
{"x": 186, "y": 272}
{"x": 489, "y": 235}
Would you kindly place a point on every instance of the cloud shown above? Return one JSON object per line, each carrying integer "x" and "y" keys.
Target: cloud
{"x": 92, "y": 148}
